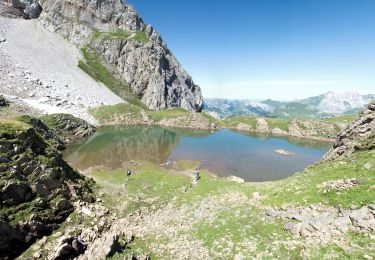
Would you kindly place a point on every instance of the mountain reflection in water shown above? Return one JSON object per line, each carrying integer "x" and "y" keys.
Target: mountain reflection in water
{"x": 225, "y": 152}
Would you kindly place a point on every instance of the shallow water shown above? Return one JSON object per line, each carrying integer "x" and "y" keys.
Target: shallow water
{"x": 224, "y": 152}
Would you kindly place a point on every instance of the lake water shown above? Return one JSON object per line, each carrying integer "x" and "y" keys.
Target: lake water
{"x": 225, "y": 152}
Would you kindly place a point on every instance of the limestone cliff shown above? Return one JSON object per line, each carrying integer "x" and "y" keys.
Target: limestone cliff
{"x": 128, "y": 47}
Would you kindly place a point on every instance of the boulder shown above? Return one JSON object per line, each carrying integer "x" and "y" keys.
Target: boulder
{"x": 262, "y": 125}
{"x": 15, "y": 193}
{"x": 360, "y": 135}
{"x": 30, "y": 8}
{"x": 3, "y": 101}
{"x": 244, "y": 127}
{"x": 278, "y": 131}
{"x": 236, "y": 179}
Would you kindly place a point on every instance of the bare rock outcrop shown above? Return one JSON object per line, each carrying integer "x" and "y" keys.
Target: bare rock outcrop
{"x": 3, "y": 102}
{"x": 132, "y": 50}
{"x": 262, "y": 125}
{"x": 30, "y": 8}
{"x": 193, "y": 121}
{"x": 37, "y": 187}
{"x": 360, "y": 135}
{"x": 305, "y": 128}
{"x": 68, "y": 127}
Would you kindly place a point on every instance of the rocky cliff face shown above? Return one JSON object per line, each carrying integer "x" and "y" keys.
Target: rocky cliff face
{"x": 127, "y": 46}
{"x": 37, "y": 187}
{"x": 360, "y": 135}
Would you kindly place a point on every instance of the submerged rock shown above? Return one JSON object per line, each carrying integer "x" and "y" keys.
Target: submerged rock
{"x": 283, "y": 152}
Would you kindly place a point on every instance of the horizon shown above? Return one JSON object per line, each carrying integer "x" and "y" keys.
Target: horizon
{"x": 291, "y": 100}
{"x": 278, "y": 50}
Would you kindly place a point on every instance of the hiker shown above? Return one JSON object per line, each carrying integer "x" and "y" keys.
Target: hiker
{"x": 196, "y": 175}
{"x": 128, "y": 173}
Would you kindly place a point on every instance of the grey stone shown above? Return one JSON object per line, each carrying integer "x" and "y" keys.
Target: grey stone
{"x": 362, "y": 213}
{"x": 298, "y": 218}
{"x": 293, "y": 228}
{"x": 30, "y": 8}
{"x": 304, "y": 232}
{"x": 368, "y": 166}
{"x": 356, "y": 136}
{"x": 64, "y": 251}
{"x": 15, "y": 193}
{"x": 148, "y": 67}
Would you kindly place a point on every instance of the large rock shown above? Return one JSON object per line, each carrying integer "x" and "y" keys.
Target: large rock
{"x": 30, "y": 8}
{"x": 262, "y": 125}
{"x": 68, "y": 127}
{"x": 15, "y": 193}
{"x": 309, "y": 128}
{"x": 146, "y": 65}
{"x": 360, "y": 135}
{"x": 3, "y": 102}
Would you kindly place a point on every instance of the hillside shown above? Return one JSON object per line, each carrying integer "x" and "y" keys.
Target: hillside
{"x": 37, "y": 187}
{"x": 325, "y": 129}
{"x": 112, "y": 34}
{"x": 88, "y": 54}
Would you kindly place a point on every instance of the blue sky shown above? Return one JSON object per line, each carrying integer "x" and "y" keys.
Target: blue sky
{"x": 280, "y": 49}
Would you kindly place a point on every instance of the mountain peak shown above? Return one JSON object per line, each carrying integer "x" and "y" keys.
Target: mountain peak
{"x": 111, "y": 33}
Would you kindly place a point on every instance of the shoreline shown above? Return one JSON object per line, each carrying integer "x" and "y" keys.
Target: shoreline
{"x": 312, "y": 138}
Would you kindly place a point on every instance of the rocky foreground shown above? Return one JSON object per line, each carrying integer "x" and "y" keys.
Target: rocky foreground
{"x": 37, "y": 187}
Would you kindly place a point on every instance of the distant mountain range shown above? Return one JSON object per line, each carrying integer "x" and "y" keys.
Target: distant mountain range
{"x": 326, "y": 105}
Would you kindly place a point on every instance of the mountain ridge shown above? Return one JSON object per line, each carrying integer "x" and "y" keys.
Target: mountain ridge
{"x": 88, "y": 54}
{"x": 134, "y": 50}
{"x": 325, "y": 105}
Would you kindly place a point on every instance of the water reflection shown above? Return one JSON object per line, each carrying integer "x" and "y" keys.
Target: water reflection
{"x": 225, "y": 152}
{"x": 111, "y": 146}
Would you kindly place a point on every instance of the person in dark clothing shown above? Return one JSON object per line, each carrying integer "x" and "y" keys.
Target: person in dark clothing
{"x": 196, "y": 175}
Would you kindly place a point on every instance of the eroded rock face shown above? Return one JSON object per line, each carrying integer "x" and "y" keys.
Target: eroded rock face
{"x": 262, "y": 125}
{"x": 30, "y": 8}
{"x": 303, "y": 128}
{"x": 68, "y": 127}
{"x": 360, "y": 135}
{"x": 37, "y": 187}
{"x": 145, "y": 64}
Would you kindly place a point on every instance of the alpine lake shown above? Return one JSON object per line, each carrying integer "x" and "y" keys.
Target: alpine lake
{"x": 224, "y": 153}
